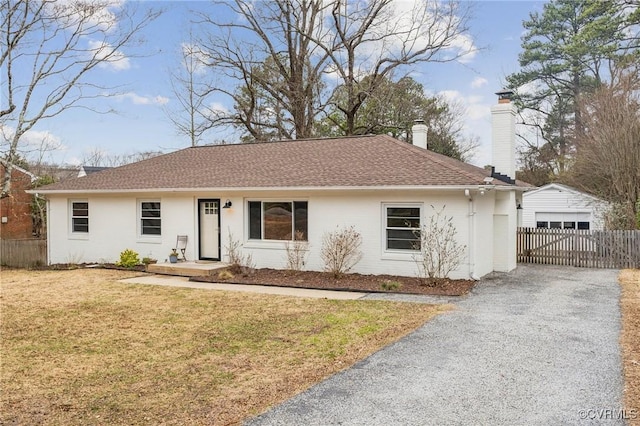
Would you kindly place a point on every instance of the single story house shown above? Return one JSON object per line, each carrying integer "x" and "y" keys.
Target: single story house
{"x": 261, "y": 194}
{"x": 562, "y": 207}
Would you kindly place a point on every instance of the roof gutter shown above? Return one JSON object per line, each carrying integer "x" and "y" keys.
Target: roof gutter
{"x": 276, "y": 188}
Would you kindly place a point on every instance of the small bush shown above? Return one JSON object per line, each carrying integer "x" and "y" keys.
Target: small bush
{"x": 239, "y": 263}
{"x": 296, "y": 252}
{"x": 128, "y": 259}
{"x": 225, "y": 275}
{"x": 390, "y": 285}
{"x": 341, "y": 250}
{"x": 440, "y": 251}
{"x": 149, "y": 260}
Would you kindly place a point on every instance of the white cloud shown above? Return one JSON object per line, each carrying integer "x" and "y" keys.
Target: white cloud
{"x": 479, "y": 82}
{"x": 160, "y": 100}
{"x": 475, "y": 108}
{"x": 34, "y": 144}
{"x": 143, "y": 100}
{"x": 464, "y": 46}
{"x": 477, "y": 121}
{"x": 218, "y": 107}
{"x": 193, "y": 58}
{"x": 113, "y": 59}
{"x": 90, "y": 15}
{"x": 406, "y": 26}
{"x": 42, "y": 139}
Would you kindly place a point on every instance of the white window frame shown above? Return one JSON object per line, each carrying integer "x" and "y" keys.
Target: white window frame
{"x": 263, "y": 241}
{"x": 139, "y": 219}
{"x": 79, "y": 234}
{"x": 385, "y": 228}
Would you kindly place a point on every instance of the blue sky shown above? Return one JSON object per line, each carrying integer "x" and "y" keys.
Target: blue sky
{"x": 141, "y": 124}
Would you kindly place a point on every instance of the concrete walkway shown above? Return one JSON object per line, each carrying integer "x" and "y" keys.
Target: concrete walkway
{"x": 538, "y": 346}
{"x": 172, "y": 281}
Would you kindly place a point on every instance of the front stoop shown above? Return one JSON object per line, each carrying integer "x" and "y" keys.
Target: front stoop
{"x": 186, "y": 269}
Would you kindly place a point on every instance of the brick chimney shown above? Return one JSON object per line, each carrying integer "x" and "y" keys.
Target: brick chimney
{"x": 419, "y": 131}
{"x": 503, "y": 129}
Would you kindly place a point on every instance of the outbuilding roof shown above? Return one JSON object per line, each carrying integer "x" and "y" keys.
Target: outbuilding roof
{"x": 561, "y": 187}
{"x": 359, "y": 161}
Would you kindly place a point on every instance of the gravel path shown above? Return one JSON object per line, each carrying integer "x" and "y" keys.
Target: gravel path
{"x": 538, "y": 346}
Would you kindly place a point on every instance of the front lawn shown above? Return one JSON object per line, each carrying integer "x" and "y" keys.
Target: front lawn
{"x": 630, "y": 342}
{"x": 78, "y": 347}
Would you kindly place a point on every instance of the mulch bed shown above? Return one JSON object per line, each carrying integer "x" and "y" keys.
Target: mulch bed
{"x": 354, "y": 282}
{"x": 72, "y": 266}
{"x": 319, "y": 280}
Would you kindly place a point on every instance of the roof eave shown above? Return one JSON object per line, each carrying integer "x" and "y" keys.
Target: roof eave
{"x": 271, "y": 189}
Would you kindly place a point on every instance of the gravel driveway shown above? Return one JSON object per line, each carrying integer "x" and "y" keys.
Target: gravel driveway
{"x": 538, "y": 346}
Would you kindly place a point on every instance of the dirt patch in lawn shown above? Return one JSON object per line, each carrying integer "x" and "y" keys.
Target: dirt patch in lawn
{"x": 79, "y": 347}
{"x": 630, "y": 343}
{"x": 356, "y": 282}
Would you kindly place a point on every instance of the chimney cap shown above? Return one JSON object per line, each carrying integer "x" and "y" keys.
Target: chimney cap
{"x": 418, "y": 121}
{"x": 505, "y": 95}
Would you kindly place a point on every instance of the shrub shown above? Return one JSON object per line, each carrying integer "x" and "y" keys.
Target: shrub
{"x": 341, "y": 250}
{"x": 238, "y": 262}
{"x": 390, "y": 285}
{"x": 296, "y": 252}
{"x": 440, "y": 252}
{"x": 128, "y": 259}
{"x": 225, "y": 275}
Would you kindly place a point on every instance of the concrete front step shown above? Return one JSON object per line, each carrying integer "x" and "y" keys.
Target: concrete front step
{"x": 186, "y": 269}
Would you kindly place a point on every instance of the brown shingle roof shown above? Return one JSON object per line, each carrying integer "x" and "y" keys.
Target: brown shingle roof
{"x": 362, "y": 161}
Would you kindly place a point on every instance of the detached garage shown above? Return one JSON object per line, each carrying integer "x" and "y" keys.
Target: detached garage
{"x": 561, "y": 207}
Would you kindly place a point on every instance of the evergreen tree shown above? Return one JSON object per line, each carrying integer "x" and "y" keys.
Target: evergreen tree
{"x": 567, "y": 52}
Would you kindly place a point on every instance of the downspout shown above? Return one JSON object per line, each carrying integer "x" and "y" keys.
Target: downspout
{"x": 46, "y": 223}
{"x": 472, "y": 221}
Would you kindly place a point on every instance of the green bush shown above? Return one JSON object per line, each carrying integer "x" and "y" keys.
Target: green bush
{"x": 128, "y": 259}
{"x": 390, "y": 285}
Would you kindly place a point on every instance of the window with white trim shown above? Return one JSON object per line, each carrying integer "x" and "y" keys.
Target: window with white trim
{"x": 278, "y": 220}
{"x": 402, "y": 227}
{"x": 563, "y": 220}
{"x": 583, "y": 225}
{"x": 80, "y": 217}
{"x": 150, "y": 218}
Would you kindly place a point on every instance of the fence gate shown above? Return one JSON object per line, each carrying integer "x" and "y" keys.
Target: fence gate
{"x": 577, "y": 247}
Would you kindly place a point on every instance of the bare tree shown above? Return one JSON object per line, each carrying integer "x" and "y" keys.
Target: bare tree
{"x": 191, "y": 120}
{"x": 96, "y": 157}
{"x": 567, "y": 51}
{"x": 373, "y": 39}
{"x": 292, "y": 50}
{"x": 270, "y": 56}
{"x": 608, "y": 154}
{"x": 49, "y": 50}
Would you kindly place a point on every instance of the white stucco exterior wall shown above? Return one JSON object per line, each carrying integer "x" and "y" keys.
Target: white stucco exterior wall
{"x": 504, "y": 232}
{"x": 483, "y": 233}
{"x": 114, "y": 226}
{"x": 555, "y": 198}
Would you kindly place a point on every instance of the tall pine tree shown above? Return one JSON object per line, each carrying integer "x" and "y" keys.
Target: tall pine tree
{"x": 567, "y": 52}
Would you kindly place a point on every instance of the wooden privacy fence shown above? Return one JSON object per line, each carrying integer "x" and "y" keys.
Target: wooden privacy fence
{"x": 23, "y": 253}
{"x": 583, "y": 248}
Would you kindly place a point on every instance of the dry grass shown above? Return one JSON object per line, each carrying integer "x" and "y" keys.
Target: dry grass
{"x": 80, "y": 348}
{"x": 630, "y": 342}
